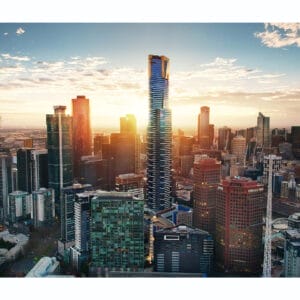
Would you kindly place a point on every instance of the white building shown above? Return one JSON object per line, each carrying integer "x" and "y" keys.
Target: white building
{"x": 45, "y": 266}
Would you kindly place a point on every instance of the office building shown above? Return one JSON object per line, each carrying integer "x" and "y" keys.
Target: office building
{"x": 39, "y": 161}
{"x": 159, "y": 136}
{"x": 44, "y": 267}
{"x": 295, "y": 140}
{"x": 276, "y": 166}
{"x": 116, "y": 232}
{"x": 292, "y": 253}
{"x": 67, "y": 215}
{"x": 24, "y": 165}
{"x": 19, "y": 207}
{"x": 128, "y": 125}
{"x": 97, "y": 172}
{"x": 82, "y": 215}
{"x": 203, "y": 128}
{"x": 43, "y": 207}
{"x": 284, "y": 191}
{"x": 5, "y": 184}
{"x": 224, "y": 138}
{"x": 238, "y": 148}
{"x": 207, "y": 175}
{"x": 263, "y": 131}
{"x": 60, "y": 148}
{"x": 183, "y": 249}
{"x": 133, "y": 183}
{"x": 239, "y": 218}
{"x": 82, "y": 135}
{"x": 99, "y": 140}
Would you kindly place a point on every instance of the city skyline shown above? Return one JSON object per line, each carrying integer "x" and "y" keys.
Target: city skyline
{"x": 238, "y": 70}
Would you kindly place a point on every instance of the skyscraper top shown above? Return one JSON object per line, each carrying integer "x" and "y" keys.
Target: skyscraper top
{"x": 60, "y": 109}
{"x": 164, "y": 68}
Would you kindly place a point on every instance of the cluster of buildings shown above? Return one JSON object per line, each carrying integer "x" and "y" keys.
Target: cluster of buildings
{"x": 171, "y": 204}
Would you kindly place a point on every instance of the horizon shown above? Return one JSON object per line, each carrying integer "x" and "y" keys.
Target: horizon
{"x": 237, "y": 69}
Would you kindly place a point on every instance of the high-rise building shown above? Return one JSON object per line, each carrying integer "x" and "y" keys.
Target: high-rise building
{"x": 5, "y": 184}
{"x": 82, "y": 216}
{"x": 39, "y": 169}
{"x": 99, "y": 140}
{"x": 238, "y": 148}
{"x": 224, "y": 139}
{"x": 239, "y": 218}
{"x": 133, "y": 183}
{"x": 97, "y": 172}
{"x": 116, "y": 232}
{"x": 43, "y": 208}
{"x": 276, "y": 166}
{"x": 295, "y": 139}
{"x": 292, "y": 253}
{"x": 128, "y": 124}
{"x": 67, "y": 214}
{"x": 24, "y": 165}
{"x": 203, "y": 127}
{"x": 123, "y": 151}
{"x": 59, "y": 144}
{"x": 82, "y": 135}
{"x": 294, "y": 221}
{"x": 183, "y": 249}
{"x": 159, "y": 136}
{"x": 19, "y": 207}
{"x": 207, "y": 175}
{"x": 263, "y": 131}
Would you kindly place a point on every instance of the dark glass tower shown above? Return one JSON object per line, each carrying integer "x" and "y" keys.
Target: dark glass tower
{"x": 159, "y": 135}
{"x": 59, "y": 144}
{"x": 24, "y": 165}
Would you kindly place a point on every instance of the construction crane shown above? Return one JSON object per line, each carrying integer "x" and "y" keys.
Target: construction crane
{"x": 267, "y": 266}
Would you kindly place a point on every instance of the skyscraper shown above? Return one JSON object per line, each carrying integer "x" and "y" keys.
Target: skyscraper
{"x": 128, "y": 124}
{"x": 82, "y": 136}
{"x": 203, "y": 127}
{"x": 5, "y": 184}
{"x": 159, "y": 136}
{"x": 116, "y": 232}
{"x": 207, "y": 175}
{"x": 263, "y": 131}
{"x": 238, "y": 148}
{"x": 295, "y": 136}
{"x": 239, "y": 215}
{"x": 24, "y": 165}
{"x": 59, "y": 144}
{"x": 224, "y": 139}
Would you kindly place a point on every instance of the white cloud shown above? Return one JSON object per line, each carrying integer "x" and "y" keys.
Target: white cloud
{"x": 20, "y": 31}
{"x": 17, "y": 58}
{"x": 277, "y": 35}
{"x": 5, "y": 33}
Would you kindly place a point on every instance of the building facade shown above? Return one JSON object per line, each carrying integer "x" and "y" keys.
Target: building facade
{"x": 159, "y": 135}
{"x": 292, "y": 253}
{"x": 116, "y": 232}
{"x": 183, "y": 249}
{"x": 60, "y": 149}
{"x": 207, "y": 175}
{"x": 263, "y": 131}
{"x": 238, "y": 148}
{"x": 82, "y": 135}
{"x": 239, "y": 217}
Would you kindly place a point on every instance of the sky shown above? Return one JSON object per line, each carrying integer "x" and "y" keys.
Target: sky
{"x": 237, "y": 69}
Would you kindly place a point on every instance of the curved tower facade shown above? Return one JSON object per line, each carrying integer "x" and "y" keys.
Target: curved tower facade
{"x": 159, "y": 136}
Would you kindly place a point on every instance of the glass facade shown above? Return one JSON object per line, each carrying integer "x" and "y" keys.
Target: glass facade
{"x": 116, "y": 232}
{"x": 59, "y": 144}
{"x": 159, "y": 135}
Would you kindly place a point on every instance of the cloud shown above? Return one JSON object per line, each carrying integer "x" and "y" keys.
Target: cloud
{"x": 20, "y": 31}
{"x": 5, "y": 33}
{"x": 17, "y": 58}
{"x": 277, "y": 35}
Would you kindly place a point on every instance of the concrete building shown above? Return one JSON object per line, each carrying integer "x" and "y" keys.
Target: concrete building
{"x": 263, "y": 131}
{"x": 19, "y": 207}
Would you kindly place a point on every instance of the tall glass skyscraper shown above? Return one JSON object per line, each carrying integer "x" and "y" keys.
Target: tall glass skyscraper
{"x": 159, "y": 135}
{"x": 263, "y": 131}
{"x": 59, "y": 144}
